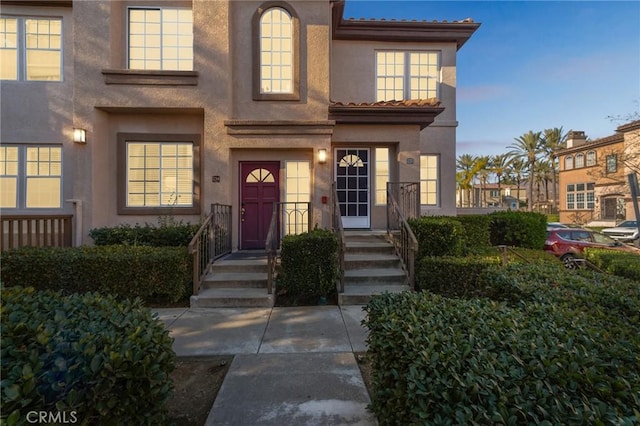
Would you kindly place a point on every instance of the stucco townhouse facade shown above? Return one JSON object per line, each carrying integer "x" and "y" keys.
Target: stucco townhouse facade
{"x": 593, "y": 182}
{"x": 123, "y": 111}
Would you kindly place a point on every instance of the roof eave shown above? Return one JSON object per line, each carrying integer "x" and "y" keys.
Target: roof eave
{"x": 420, "y": 115}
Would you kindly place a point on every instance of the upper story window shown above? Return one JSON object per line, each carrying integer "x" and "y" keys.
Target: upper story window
{"x": 579, "y": 160}
{"x": 31, "y": 48}
{"x": 407, "y": 75}
{"x": 160, "y": 39}
{"x": 31, "y": 176}
{"x": 276, "y": 56}
{"x": 612, "y": 163}
{"x": 568, "y": 162}
{"x": 591, "y": 158}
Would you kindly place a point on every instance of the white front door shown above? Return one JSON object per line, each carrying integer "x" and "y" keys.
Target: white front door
{"x": 352, "y": 182}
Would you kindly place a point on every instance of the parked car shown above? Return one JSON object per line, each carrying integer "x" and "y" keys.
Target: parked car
{"x": 569, "y": 243}
{"x": 625, "y": 231}
{"x": 556, "y": 225}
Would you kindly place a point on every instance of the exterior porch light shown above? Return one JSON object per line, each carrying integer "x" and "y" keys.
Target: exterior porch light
{"x": 79, "y": 135}
{"x": 322, "y": 156}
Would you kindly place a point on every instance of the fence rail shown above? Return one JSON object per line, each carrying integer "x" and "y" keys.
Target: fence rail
{"x": 403, "y": 238}
{"x": 36, "y": 230}
{"x": 211, "y": 241}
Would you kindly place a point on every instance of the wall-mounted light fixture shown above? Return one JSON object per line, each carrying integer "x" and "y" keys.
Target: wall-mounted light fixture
{"x": 79, "y": 135}
{"x": 322, "y": 156}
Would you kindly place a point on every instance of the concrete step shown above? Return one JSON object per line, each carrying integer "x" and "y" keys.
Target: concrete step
{"x": 235, "y": 280}
{"x": 371, "y": 260}
{"x": 365, "y": 236}
{"x": 232, "y": 298}
{"x": 380, "y": 247}
{"x": 361, "y": 295}
{"x": 375, "y": 276}
{"x": 244, "y": 265}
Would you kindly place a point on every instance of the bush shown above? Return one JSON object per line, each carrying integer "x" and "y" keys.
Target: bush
{"x": 150, "y": 273}
{"x": 519, "y": 229}
{"x": 453, "y": 276}
{"x": 438, "y": 236}
{"x": 476, "y": 231}
{"x": 565, "y": 352}
{"x": 309, "y": 266}
{"x": 615, "y": 262}
{"x": 105, "y": 362}
{"x": 174, "y": 234}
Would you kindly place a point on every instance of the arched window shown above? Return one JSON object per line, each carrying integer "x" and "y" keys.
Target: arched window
{"x": 276, "y": 55}
{"x": 568, "y": 162}
{"x": 591, "y": 158}
{"x": 579, "y": 160}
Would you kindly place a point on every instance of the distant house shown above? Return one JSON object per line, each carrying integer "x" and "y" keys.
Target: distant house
{"x": 490, "y": 195}
{"x": 119, "y": 112}
{"x": 593, "y": 176}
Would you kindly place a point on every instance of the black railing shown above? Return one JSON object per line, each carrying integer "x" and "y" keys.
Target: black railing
{"x": 336, "y": 225}
{"x": 211, "y": 241}
{"x": 399, "y": 231}
{"x": 407, "y": 197}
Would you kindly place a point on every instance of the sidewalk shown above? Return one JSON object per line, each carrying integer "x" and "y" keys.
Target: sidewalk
{"x": 292, "y": 366}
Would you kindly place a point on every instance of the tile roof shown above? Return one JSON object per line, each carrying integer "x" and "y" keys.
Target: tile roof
{"x": 430, "y": 102}
{"x": 461, "y": 21}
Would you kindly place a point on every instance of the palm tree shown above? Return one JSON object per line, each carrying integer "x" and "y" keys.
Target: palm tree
{"x": 528, "y": 146}
{"x": 466, "y": 164}
{"x": 481, "y": 169}
{"x": 499, "y": 165}
{"x": 553, "y": 140}
{"x": 517, "y": 172}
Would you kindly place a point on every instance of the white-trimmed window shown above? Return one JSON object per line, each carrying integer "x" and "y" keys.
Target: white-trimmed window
{"x": 160, "y": 39}
{"x": 407, "y": 75}
{"x": 611, "y": 163}
{"x": 591, "y": 158}
{"x": 568, "y": 162}
{"x": 581, "y": 196}
{"x": 31, "y": 177}
{"x": 158, "y": 173}
{"x": 297, "y": 194}
{"x": 429, "y": 182}
{"x": 31, "y": 48}
{"x": 382, "y": 174}
{"x": 276, "y": 51}
{"x": 579, "y": 161}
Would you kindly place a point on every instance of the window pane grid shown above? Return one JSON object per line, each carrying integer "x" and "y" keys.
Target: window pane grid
{"x": 298, "y": 189}
{"x": 407, "y": 75}
{"x": 43, "y": 49}
{"x": 581, "y": 196}
{"x": 276, "y": 51}
{"x": 429, "y": 180}
{"x": 9, "y": 48}
{"x": 159, "y": 174}
{"x": 161, "y": 39}
{"x": 382, "y": 174}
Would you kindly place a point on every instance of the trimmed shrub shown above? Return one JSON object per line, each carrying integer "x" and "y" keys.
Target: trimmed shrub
{"x": 174, "y": 234}
{"x": 438, "y": 236}
{"x": 96, "y": 359}
{"x": 561, "y": 354}
{"x": 519, "y": 229}
{"x": 309, "y": 266}
{"x": 453, "y": 276}
{"x": 151, "y": 273}
{"x": 476, "y": 231}
{"x": 615, "y": 262}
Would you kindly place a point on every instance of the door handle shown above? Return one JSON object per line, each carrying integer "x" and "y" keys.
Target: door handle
{"x": 242, "y": 214}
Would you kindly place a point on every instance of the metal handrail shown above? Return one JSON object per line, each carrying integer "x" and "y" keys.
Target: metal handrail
{"x": 271, "y": 247}
{"x": 403, "y": 238}
{"x": 210, "y": 242}
{"x": 336, "y": 224}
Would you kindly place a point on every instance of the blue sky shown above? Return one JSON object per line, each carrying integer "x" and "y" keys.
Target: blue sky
{"x": 534, "y": 65}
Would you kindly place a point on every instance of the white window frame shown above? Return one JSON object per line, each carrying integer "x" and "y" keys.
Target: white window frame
{"x": 22, "y": 70}
{"x": 591, "y": 159}
{"x": 275, "y": 68}
{"x": 581, "y": 196}
{"x": 579, "y": 161}
{"x": 406, "y": 73}
{"x": 426, "y": 179}
{"x": 162, "y": 45}
{"x": 568, "y": 162}
{"x": 24, "y": 177}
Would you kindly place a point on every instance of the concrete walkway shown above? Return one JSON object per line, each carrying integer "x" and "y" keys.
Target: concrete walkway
{"x": 292, "y": 366}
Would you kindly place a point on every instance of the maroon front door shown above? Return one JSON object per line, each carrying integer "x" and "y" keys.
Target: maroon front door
{"x": 259, "y": 189}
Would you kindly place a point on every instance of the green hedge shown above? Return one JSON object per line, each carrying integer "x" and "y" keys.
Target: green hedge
{"x": 476, "y": 231}
{"x": 438, "y": 236}
{"x": 615, "y": 262}
{"x": 174, "y": 234}
{"x": 309, "y": 266}
{"x": 452, "y": 276}
{"x": 98, "y": 360}
{"x": 519, "y": 229}
{"x": 563, "y": 350}
{"x": 151, "y": 273}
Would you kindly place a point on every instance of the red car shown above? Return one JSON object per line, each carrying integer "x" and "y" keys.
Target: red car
{"x": 569, "y": 243}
